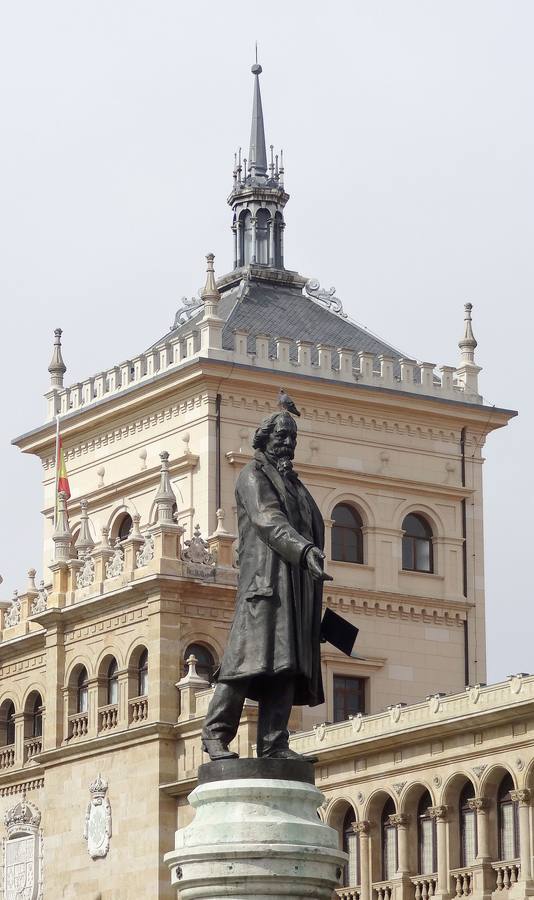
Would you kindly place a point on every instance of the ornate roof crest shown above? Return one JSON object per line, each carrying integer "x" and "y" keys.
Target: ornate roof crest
{"x": 186, "y": 311}
{"x": 325, "y": 297}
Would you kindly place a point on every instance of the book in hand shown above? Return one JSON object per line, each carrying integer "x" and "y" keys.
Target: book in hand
{"x": 340, "y": 633}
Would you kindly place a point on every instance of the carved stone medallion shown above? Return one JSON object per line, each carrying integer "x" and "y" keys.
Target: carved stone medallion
{"x": 23, "y": 853}
{"x": 97, "y": 830}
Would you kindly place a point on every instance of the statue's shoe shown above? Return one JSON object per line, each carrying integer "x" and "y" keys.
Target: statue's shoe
{"x": 218, "y": 750}
{"x": 284, "y": 753}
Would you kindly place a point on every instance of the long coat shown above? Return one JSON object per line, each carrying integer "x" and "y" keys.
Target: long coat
{"x": 277, "y": 621}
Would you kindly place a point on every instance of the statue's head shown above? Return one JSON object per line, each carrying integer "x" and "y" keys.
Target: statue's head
{"x": 277, "y": 436}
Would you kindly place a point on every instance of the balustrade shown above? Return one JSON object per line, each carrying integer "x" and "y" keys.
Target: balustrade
{"x": 462, "y": 880}
{"x": 108, "y": 717}
{"x": 32, "y": 746}
{"x": 424, "y": 886}
{"x": 382, "y": 890}
{"x": 7, "y": 757}
{"x": 78, "y": 725}
{"x": 348, "y": 893}
{"x": 507, "y": 874}
{"x": 138, "y": 708}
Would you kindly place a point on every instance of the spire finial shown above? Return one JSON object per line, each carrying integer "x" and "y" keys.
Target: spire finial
{"x": 257, "y": 155}
{"x": 165, "y": 497}
{"x": 210, "y": 293}
{"x": 62, "y": 535}
{"x": 84, "y": 543}
{"x": 468, "y": 343}
{"x": 57, "y": 367}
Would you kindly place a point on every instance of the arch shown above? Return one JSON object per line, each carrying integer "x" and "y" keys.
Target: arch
{"x": 423, "y": 509}
{"x": 245, "y": 237}
{"x": 213, "y": 644}
{"x": 104, "y": 658}
{"x": 263, "y": 219}
{"x": 72, "y": 671}
{"x": 117, "y": 515}
{"x": 33, "y": 714}
{"x": 347, "y": 534}
{"x": 138, "y": 671}
{"x": 426, "y": 837}
{"x": 489, "y": 789}
{"x": 417, "y": 544}
{"x": 374, "y": 809}
{"x": 7, "y": 723}
{"x": 364, "y": 510}
{"x": 206, "y": 661}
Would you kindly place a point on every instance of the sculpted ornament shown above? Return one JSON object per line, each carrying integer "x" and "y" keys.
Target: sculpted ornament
{"x": 196, "y": 553}
{"x": 146, "y": 553}
{"x": 40, "y": 604}
{"x": 326, "y": 297}
{"x": 97, "y": 829}
{"x": 186, "y": 311}
{"x": 86, "y": 575}
{"x": 115, "y": 566}
{"x": 13, "y": 614}
{"x": 23, "y": 853}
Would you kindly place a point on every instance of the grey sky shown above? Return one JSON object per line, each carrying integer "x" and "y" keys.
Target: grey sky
{"x": 408, "y": 136}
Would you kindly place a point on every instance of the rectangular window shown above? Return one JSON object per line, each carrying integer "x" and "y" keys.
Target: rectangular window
{"x": 469, "y": 838}
{"x": 353, "y": 868}
{"x": 390, "y": 852}
{"x": 426, "y": 850}
{"x": 349, "y": 697}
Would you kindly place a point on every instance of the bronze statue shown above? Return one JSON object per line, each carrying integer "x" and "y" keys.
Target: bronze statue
{"x": 273, "y": 650}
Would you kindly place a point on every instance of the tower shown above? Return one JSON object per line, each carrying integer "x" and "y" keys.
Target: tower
{"x": 258, "y": 196}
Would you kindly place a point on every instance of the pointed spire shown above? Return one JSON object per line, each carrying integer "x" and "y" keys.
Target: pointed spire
{"x": 468, "y": 343}
{"x": 165, "y": 497}
{"x": 210, "y": 293}
{"x": 62, "y": 535}
{"x": 57, "y": 367}
{"x": 85, "y": 542}
{"x": 257, "y": 156}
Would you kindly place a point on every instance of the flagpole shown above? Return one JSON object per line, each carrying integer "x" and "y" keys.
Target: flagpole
{"x": 57, "y": 470}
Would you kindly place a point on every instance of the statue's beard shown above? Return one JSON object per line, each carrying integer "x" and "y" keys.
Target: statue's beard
{"x": 282, "y": 459}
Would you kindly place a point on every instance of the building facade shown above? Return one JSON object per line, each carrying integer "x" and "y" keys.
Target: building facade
{"x": 105, "y": 665}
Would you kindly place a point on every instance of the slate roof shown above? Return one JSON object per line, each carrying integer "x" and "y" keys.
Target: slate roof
{"x": 282, "y": 310}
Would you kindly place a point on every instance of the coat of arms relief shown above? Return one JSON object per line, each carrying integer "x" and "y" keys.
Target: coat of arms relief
{"x": 97, "y": 829}
{"x": 23, "y": 852}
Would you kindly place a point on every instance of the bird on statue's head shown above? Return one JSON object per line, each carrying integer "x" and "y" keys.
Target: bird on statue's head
{"x": 285, "y": 402}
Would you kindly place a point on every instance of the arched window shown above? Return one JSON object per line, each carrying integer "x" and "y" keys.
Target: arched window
{"x": 142, "y": 675}
{"x": 125, "y": 526}
{"x": 113, "y": 682}
{"x": 508, "y": 821}
{"x": 245, "y": 232}
{"x": 82, "y": 691}
{"x": 426, "y": 836}
{"x": 9, "y": 720}
{"x": 205, "y": 660}
{"x": 389, "y": 842}
{"x": 37, "y": 717}
{"x": 417, "y": 544}
{"x": 262, "y": 237}
{"x": 468, "y": 827}
{"x": 351, "y": 871}
{"x": 347, "y": 537}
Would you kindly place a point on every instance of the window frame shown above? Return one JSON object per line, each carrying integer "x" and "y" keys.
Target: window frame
{"x": 412, "y": 543}
{"x": 142, "y": 674}
{"x": 112, "y": 683}
{"x": 336, "y": 688}
{"x": 349, "y": 536}
{"x": 82, "y": 692}
{"x": 423, "y": 816}
{"x": 387, "y": 828}
{"x": 504, "y": 800}
{"x": 467, "y": 814}
{"x": 351, "y": 846}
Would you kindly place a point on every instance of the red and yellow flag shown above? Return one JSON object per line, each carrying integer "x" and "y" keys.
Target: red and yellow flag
{"x": 61, "y": 470}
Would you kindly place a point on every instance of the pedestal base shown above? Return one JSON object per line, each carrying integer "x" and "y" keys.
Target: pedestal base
{"x": 256, "y": 835}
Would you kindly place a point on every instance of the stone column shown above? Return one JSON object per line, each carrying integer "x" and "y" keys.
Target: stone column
{"x": 363, "y": 829}
{"x": 328, "y": 523}
{"x": 480, "y": 805}
{"x": 122, "y": 711}
{"x": 54, "y": 729}
{"x": 271, "y": 241}
{"x": 522, "y": 797}
{"x": 439, "y": 813}
{"x": 19, "y": 739}
{"x": 234, "y": 229}
{"x": 401, "y": 821}
{"x": 92, "y": 706}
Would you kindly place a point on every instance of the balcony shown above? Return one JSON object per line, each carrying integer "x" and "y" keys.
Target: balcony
{"x": 506, "y": 874}
{"x": 7, "y": 757}
{"x": 382, "y": 890}
{"x": 108, "y": 717}
{"x": 348, "y": 893}
{"x": 425, "y": 886}
{"x": 32, "y": 746}
{"x": 78, "y": 725}
{"x": 138, "y": 710}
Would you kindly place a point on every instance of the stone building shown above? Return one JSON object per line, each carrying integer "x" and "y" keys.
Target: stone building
{"x": 105, "y": 666}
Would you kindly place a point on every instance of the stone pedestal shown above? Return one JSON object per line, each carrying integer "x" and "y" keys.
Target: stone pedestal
{"x": 256, "y": 835}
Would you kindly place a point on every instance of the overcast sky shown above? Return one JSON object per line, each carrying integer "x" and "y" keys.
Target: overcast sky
{"x": 409, "y": 145}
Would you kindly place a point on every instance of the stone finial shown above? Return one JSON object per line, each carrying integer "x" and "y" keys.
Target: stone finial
{"x": 210, "y": 295}
{"x": 32, "y": 587}
{"x": 136, "y": 531}
{"x": 192, "y": 677}
{"x": 220, "y": 513}
{"x": 62, "y": 536}
{"x": 468, "y": 343}
{"x": 57, "y": 367}
{"x": 142, "y": 456}
{"x": 100, "y": 473}
{"x": 85, "y": 542}
{"x": 104, "y": 540}
{"x": 165, "y": 497}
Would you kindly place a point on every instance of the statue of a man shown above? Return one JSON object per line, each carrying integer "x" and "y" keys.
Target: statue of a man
{"x": 273, "y": 650}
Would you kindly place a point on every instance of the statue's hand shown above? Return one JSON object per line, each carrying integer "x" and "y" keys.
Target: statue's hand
{"x": 314, "y": 563}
